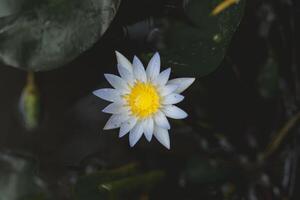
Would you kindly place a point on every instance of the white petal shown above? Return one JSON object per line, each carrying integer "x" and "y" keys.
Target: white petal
{"x": 123, "y": 61}
{"x": 168, "y": 89}
{"x": 137, "y": 62}
{"x": 161, "y": 120}
{"x": 183, "y": 83}
{"x": 127, "y": 126}
{"x": 148, "y": 128}
{"x": 135, "y": 134}
{"x": 162, "y": 135}
{"x": 139, "y": 70}
{"x": 116, "y": 81}
{"x": 174, "y": 112}
{"x": 125, "y": 74}
{"x": 115, "y": 108}
{"x": 163, "y": 77}
{"x": 115, "y": 121}
{"x": 153, "y": 67}
{"x": 173, "y": 99}
{"x": 108, "y": 94}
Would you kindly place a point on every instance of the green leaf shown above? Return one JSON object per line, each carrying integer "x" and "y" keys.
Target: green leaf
{"x": 42, "y": 35}
{"x": 131, "y": 185}
{"x": 87, "y": 186}
{"x": 116, "y": 183}
{"x": 196, "y": 46}
{"x": 203, "y": 171}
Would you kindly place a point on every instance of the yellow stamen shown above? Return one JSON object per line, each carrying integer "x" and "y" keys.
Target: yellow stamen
{"x": 143, "y": 99}
{"x": 222, "y": 6}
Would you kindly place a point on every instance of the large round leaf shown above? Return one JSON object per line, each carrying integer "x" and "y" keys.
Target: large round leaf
{"x": 42, "y": 35}
{"x": 197, "y": 45}
{"x": 18, "y": 178}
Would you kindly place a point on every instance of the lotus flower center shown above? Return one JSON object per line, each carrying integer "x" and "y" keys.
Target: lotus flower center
{"x": 143, "y": 99}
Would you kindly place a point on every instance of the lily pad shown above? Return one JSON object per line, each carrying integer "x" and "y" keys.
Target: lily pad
{"x": 116, "y": 183}
{"x": 87, "y": 186}
{"x": 42, "y": 35}
{"x": 201, "y": 171}
{"x": 18, "y": 179}
{"x": 197, "y": 44}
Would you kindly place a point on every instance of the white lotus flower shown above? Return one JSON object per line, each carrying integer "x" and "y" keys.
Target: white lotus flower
{"x": 143, "y": 99}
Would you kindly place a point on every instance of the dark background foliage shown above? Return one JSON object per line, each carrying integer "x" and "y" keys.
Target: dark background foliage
{"x": 240, "y": 140}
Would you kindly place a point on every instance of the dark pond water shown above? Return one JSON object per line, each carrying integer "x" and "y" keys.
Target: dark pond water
{"x": 216, "y": 153}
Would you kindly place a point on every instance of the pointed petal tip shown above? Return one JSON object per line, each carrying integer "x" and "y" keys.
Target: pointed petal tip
{"x": 139, "y": 70}
{"x": 123, "y": 61}
{"x": 167, "y": 146}
{"x": 189, "y": 81}
{"x": 127, "y": 126}
{"x": 106, "y": 76}
{"x": 148, "y": 129}
{"x": 135, "y": 134}
{"x": 167, "y": 71}
{"x": 173, "y": 98}
{"x": 108, "y": 94}
{"x": 149, "y": 138}
{"x": 175, "y": 112}
{"x": 183, "y": 83}
{"x": 131, "y": 145}
{"x": 104, "y": 110}
{"x": 119, "y": 55}
{"x": 105, "y": 128}
{"x": 156, "y": 56}
{"x": 136, "y": 61}
{"x": 113, "y": 108}
{"x": 96, "y": 92}
{"x": 192, "y": 80}
{"x": 161, "y": 120}
{"x": 153, "y": 67}
{"x": 162, "y": 135}
{"x": 186, "y": 115}
{"x": 122, "y": 133}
